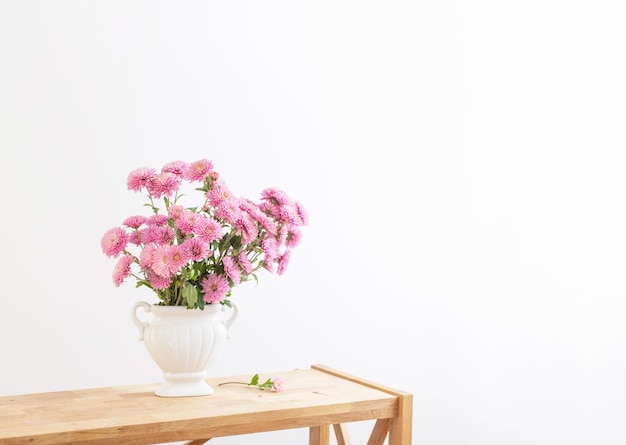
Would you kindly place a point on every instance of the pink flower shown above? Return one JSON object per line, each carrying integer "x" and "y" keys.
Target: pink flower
{"x": 121, "y": 271}
{"x": 245, "y": 263}
{"x": 270, "y": 247}
{"x": 157, "y": 220}
{"x": 146, "y": 257}
{"x": 231, "y": 268}
{"x": 246, "y": 226}
{"x": 134, "y": 222}
{"x": 158, "y": 282}
{"x": 135, "y": 238}
{"x": 140, "y": 178}
{"x": 293, "y": 238}
{"x": 278, "y": 384}
{"x": 218, "y": 194}
{"x": 197, "y": 249}
{"x": 163, "y": 235}
{"x": 176, "y": 167}
{"x": 268, "y": 263}
{"x": 177, "y": 257}
{"x": 270, "y": 209}
{"x": 163, "y": 184}
{"x": 161, "y": 261}
{"x": 304, "y": 217}
{"x": 289, "y": 214}
{"x": 215, "y": 288}
{"x": 275, "y": 196}
{"x": 187, "y": 221}
{"x": 175, "y": 211}
{"x": 227, "y": 211}
{"x": 114, "y": 242}
{"x": 269, "y": 225}
{"x": 208, "y": 229}
{"x": 199, "y": 170}
{"x": 282, "y": 237}
{"x": 148, "y": 234}
{"x": 283, "y": 262}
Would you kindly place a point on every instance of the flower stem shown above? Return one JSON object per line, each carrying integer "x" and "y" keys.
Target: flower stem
{"x": 233, "y": 383}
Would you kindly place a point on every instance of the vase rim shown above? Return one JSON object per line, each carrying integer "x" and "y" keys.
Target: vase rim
{"x": 181, "y": 308}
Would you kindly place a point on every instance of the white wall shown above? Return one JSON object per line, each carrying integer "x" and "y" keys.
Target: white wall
{"x": 462, "y": 164}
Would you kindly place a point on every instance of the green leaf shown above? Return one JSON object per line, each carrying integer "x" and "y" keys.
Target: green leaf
{"x": 190, "y": 293}
{"x": 255, "y": 380}
{"x": 236, "y": 242}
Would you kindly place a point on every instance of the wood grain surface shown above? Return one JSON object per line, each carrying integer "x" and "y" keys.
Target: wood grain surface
{"x": 312, "y": 397}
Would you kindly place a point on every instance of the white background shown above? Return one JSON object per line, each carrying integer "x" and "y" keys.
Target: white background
{"x": 462, "y": 164}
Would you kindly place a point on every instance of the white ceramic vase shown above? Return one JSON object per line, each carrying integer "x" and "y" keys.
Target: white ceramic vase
{"x": 183, "y": 343}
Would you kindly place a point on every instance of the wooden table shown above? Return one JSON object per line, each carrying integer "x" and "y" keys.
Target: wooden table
{"x": 314, "y": 398}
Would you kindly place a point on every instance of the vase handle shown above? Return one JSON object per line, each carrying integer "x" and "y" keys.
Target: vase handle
{"x": 233, "y": 316}
{"x": 141, "y": 325}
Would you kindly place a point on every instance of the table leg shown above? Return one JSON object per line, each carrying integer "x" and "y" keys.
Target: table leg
{"x": 341, "y": 433}
{"x": 400, "y": 432}
{"x": 319, "y": 435}
{"x": 379, "y": 433}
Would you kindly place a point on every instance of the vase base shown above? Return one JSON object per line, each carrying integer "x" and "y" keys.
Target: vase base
{"x": 184, "y": 385}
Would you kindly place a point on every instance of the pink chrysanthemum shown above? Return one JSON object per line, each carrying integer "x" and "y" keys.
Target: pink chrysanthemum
{"x": 215, "y": 288}
{"x": 270, "y": 209}
{"x": 245, "y": 263}
{"x": 269, "y": 263}
{"x": 187, "y": 221}
{"x": 163, "y": 184}
{"x": 281, "y": 237}
{"x": 199, "y": 170}
{"x": 218, "y": 194}
{"x": 304, "y": 217}
{"x": 122, "y": 270}
{"x": 269, "y": 225}
{"x": 283, "y": 262}
{"x": 134, "y": 238}
{"x": 197, "y": 249}
{"x": 256, "y": 213}
{"x": 146, "y": 257}
{"x": 227, "y": 211}
{"x": 244, "y": 223}
{"x": 231, "y": 268}
{"x": 208, "y": 229}
{"x": 294, "y": 235}
{"x": 289, "y": 214}
{"x": 161, "y": 261}
{"x": 140, "y": 178}
{"x": 148, "y": 234}
{"x": 158, "y": 282}
{"x": 114, "y": 242}
{"x": 163, "y": 235}
{"x": 278, "y": 384}
{"x": 134, "y": 222}
{"x": 275, "y": 196}
{"x": 175, "y": 211}
{"x": 177, "y": 257}
{"x": 270, "y": 247}
{"x": 176, "y": 167}
{"x": 157, "y": 220}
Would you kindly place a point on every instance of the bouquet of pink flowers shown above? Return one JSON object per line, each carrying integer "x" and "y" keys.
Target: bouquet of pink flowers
{"x": 192, "y": 256}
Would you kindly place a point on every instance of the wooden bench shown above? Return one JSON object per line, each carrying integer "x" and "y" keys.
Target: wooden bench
{"x": 315, "y": 398}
